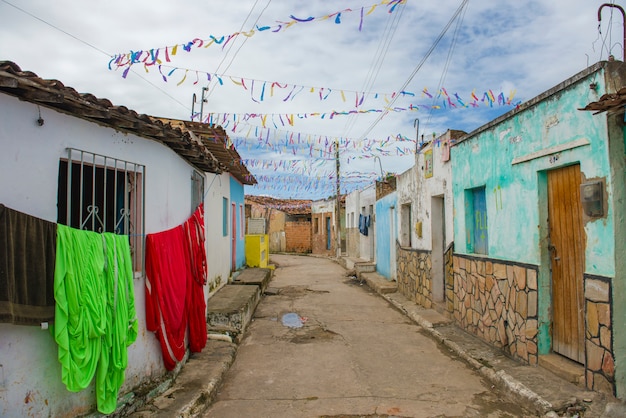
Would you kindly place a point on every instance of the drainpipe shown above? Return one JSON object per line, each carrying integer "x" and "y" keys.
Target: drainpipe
{"x": 618, "y": 7}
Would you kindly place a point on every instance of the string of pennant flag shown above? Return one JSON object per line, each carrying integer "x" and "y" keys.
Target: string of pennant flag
{"x": 442, "y": 101}
{"x": 155, "y": 56}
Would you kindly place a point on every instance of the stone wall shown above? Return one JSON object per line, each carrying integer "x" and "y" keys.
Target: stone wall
{"x": 414, "y": 275}
{"x": 449, "y": 279}
{"x": 497, "y": 301}
{"x": 599, "y": 364}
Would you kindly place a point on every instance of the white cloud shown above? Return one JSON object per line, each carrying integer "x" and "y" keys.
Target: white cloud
{"x": 502, "y": 45}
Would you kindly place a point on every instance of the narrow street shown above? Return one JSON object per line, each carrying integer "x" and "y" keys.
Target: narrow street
{"x": 323, "y": 345}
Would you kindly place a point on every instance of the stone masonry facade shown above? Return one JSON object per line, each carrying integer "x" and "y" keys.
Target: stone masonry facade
{"x": 414, "y": 275}
{"x": 599, "y": 364}
{"x": 497, "y": 301}
{"x": 448, "y": 258}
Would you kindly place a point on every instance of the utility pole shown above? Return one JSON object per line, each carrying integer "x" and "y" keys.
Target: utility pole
{"x": 203, "y": 100}
{"x": 338, "y": 201}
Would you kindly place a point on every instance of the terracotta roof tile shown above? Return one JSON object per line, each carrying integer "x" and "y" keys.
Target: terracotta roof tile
{"x": 210, "y": 154}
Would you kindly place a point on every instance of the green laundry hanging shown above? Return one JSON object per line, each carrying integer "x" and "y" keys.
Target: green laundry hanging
{"x": 95, "y": 311}
{"x": 121, "y": 321}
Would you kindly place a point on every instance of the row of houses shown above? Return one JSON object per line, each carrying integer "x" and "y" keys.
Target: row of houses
{"x": 74, "y": 159}
{"x": 517, "y": 230}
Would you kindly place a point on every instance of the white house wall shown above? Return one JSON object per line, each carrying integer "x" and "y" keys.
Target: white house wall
{"x": 218, "y": 246}
{"x": 366, "y": 243}
{"x": 413, "y": 188}
{"x": 363, "y": 247}
{"x": 29, "y": 175}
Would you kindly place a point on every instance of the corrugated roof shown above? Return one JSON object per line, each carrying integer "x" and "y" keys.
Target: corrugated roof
{"x": 612, "y": 103}
{"x": 207, "y": 155}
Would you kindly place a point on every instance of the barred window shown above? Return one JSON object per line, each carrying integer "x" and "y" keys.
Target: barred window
{"x": 197, "y": 189}
{"x": 103, "y": 194}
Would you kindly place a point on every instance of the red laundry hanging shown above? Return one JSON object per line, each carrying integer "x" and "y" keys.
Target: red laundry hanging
{"x": 176, "y": 270}
{"x": 194, "y": 231}
{"x": 167, "y": 278}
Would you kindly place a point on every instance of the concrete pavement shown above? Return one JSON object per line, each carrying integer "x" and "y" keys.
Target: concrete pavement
{"x": 323, "y": 345}
{"x": 532, "y": 389}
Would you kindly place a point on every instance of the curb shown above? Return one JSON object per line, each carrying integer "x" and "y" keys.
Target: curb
{"x": 195, "y": 388}
{"x": 500, "y": 378}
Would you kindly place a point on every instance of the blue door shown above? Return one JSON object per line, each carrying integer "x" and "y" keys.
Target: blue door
{"x": 328, "y": 233}
{"x": 481, "y": 235}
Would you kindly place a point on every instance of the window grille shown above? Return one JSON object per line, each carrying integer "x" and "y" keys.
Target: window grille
{"x": 103, "y": 194}
{"x": 197, "y": 189}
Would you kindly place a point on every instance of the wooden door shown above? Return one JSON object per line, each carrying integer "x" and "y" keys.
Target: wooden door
{"x": 567, "y": 252}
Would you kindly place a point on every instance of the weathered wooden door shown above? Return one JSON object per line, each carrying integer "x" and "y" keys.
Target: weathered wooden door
{"x": 567, "y": 252}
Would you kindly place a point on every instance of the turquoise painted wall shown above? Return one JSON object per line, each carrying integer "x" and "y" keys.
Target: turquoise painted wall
{"x": 514, "y": 196}
{"x": 386, "y": 232}
{"x": 237, "y": 197}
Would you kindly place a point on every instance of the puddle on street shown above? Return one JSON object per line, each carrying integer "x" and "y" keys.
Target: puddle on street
{"x": 292, "y": 320}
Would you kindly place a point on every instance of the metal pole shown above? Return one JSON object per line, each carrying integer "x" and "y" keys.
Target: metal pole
{"x": 338, "y": 201}
{"x": 618, "y": 7}
{"x": 193, "y": 104}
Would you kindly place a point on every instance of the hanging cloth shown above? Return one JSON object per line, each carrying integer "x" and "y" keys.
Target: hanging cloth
{"x": 194, "y": 231}
{"x": 167, "y": 276}
{"x": 80, "y": 312}
{"x": 27, "y": 258}
{"x": 121, "y": 321}
{"x": 95, "y": 318}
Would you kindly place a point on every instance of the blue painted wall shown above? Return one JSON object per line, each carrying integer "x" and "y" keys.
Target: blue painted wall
{"x": 237, "y": 198}
{"x": 386, "y": 232}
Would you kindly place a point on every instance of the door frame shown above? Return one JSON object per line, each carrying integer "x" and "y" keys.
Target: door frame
{"x": 438, "y": 244}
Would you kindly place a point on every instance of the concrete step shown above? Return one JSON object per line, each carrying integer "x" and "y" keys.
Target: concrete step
{"x": 254, "y": 276}
{"x": 231, "y": 309}
{"x": 379, "y": 283}
{"x": 364, "y": 267}
{"x": 564, "y": 368}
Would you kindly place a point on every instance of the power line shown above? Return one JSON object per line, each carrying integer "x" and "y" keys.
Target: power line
{"x": 447, "y": 64}
{"x": 92, "y": 47}
{"x": 242, "y": 44}
{"x": 418, "y": 67}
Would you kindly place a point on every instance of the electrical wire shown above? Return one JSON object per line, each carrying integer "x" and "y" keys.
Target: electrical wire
{"x": 444, "y": 72}
{"x": 377, "y": 62}
{"x": 417, "y": 68}
{"x": 210, "y": 92}
{"x": 95, "y": 48}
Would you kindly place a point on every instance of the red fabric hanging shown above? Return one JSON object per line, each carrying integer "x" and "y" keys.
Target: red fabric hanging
{"x": 176, "y": 270}
{"x": 194, "y": 231}
{"x": 167, "y": 278}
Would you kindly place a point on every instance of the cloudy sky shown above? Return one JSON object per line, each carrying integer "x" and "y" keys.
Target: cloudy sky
{"x": 284, "y": 87}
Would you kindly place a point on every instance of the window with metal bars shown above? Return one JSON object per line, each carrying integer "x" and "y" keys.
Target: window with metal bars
{"x": 103, "y": 194}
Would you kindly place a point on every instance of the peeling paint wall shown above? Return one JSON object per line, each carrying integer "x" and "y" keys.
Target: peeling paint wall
{"x": 425, "y": 221}
{"x": 510, "y": 158}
